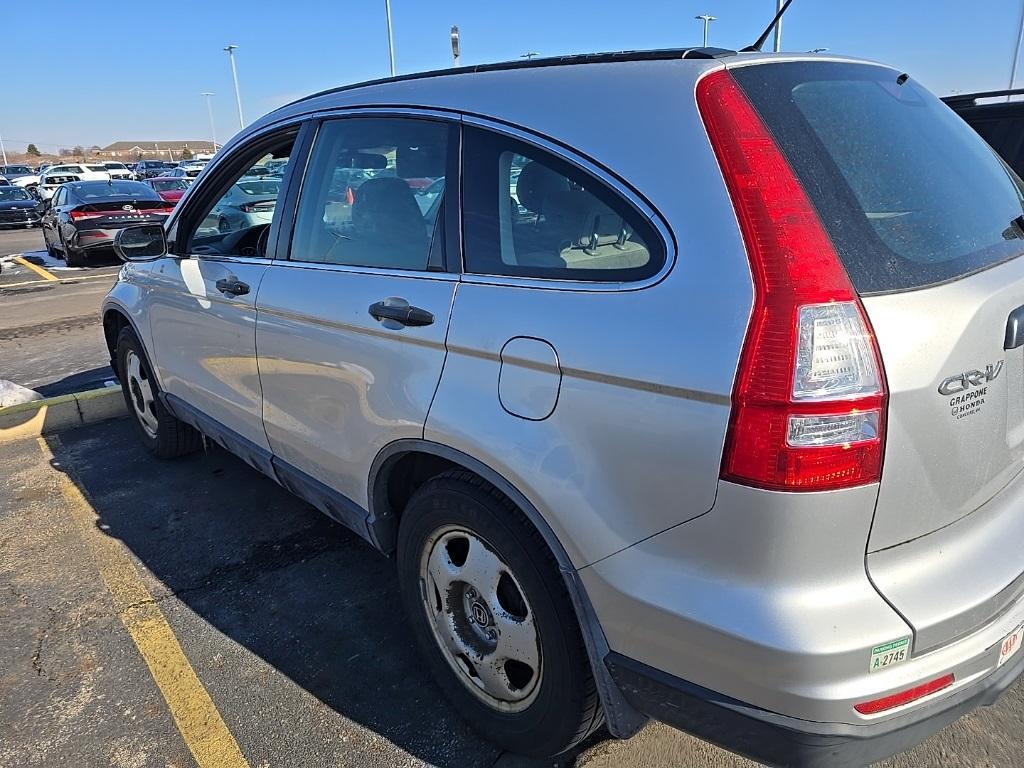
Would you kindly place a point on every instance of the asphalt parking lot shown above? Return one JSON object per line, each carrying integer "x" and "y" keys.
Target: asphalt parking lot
{"x": 50, "y": 338}
{"x": 193, "y": 613}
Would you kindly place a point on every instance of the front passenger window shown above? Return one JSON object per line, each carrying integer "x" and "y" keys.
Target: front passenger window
{"x": 372, "y": 194}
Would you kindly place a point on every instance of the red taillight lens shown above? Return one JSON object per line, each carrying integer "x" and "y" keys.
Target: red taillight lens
{"x": 809, "y": 398}
{"x": 904, "y": 697}
{"x": 83, "y": 215}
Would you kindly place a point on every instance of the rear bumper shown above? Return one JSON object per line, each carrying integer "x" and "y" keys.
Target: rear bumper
{"x": 775, "y": 739}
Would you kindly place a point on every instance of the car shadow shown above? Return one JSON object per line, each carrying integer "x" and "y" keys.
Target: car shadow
{"x": 94, "y": 378}
{"x": 278, "y": 578}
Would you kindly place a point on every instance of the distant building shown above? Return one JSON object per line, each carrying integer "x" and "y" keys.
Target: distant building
{"x": 155, "y": 149}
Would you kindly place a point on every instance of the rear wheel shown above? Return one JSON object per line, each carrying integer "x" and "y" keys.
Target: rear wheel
{"x": 493, "y": 617}
{"x": 163, "y": 435}
{"x": 74, "y": 258}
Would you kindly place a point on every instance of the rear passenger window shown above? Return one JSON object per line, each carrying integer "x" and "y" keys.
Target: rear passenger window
{"x": 530, "y": 214}
{"x": 372, "y": 195}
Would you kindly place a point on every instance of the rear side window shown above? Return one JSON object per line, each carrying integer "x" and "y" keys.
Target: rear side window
{"x": 910, "y": 195}
{"x": 528, "y": 213}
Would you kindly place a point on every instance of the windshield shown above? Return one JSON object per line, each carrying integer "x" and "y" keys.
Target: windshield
{"x": 98, "y": 168}
{"x": 13, "y": 193}
{"x": 116, "y": 166}
{"x": 22, "y": 169}
{"x": 93, "y": 190}
{"x": 910, "y": 195}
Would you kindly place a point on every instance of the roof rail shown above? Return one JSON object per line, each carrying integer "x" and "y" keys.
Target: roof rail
{"x": 659, "y": 54}
{"x": 967, "y": 99}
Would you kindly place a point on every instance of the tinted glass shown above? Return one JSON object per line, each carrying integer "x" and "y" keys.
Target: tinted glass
{"x": 530, "y": 214}
{"x": 909, "y": 194}
{"x": 361, "y": 202}
{"x": 24, "y": 169}
{"x": 89, "y": 190}
{"x": 97, "y": 168}
{"x": 13, "y": 193}
{"x": 235, "y": 222}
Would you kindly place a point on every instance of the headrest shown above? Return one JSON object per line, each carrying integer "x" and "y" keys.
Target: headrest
{"x": 386, "y": 202}
{"x": 367, "y": 160}
{"x": 536, "y": 183}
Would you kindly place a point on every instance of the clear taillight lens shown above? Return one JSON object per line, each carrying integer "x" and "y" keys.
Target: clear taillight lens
{"x": 844, "y": 429}
{"x": 834, "y": 357}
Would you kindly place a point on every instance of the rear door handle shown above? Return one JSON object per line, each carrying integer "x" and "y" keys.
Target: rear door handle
{"x": 399, "y": 310}
{"x": 232, "y": 286}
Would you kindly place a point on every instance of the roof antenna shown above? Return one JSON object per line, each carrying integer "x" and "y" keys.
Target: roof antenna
{"x": 768, "y": 30}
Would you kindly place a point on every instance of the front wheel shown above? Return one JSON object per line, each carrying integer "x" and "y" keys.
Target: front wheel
{"x": 493, "y": 616}
{"x": 162, "y": 434}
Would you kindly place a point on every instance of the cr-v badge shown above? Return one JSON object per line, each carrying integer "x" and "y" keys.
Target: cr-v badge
{"x": 972, "y": 378}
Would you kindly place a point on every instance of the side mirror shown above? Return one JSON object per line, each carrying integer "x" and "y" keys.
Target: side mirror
{"x": 42, "y": 207}
{"x": 141, "y": 243}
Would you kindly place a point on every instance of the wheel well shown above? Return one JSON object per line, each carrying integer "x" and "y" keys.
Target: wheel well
{"x": 113, "y": 322}
{"x": 398, "y": 479}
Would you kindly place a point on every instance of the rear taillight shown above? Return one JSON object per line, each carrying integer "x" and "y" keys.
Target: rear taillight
{"x": 809, "y": 397}
{"x": 83, "y": 215}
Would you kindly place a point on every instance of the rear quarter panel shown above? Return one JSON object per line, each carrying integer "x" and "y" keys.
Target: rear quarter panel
{"x": 633, "y": 445}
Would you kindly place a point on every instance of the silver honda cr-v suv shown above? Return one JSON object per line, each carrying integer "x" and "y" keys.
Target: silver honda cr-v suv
{"x": 684, "y": 384}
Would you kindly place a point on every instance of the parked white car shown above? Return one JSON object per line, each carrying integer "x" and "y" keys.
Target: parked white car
{"x": 62, "y": 174}
{"x": 119, "y": 171}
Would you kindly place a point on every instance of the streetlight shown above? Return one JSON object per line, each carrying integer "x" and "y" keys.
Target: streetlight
{"x": 1016, "y": 51}
{"x": 528, "y": 55}
{"x": 456, "y": 49}
{"x": 3, "y": 150}
{"x": 391, "y": 42}
{"x": 707, "y": 20}
{"x": 777, "y": 45}
{"x": 209, "y": 111}
{"x": 234, "y": 75}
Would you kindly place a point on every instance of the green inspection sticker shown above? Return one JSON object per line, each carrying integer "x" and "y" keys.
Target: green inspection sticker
{"x": 887, "y": 654}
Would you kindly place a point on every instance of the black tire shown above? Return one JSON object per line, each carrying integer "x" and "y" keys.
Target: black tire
{"x": 566, "y": 708}
{"x": 173, "y": 438}
{"x": 74, "y": 258}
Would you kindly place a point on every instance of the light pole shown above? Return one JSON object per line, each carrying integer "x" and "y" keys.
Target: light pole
{"x": 1016, "y": 51}
{"x": 209, "y": 111}
{"x": 3, "y": 150}
{"x": 528, "y": 55}
{"x": 777, "y": 45}
{"x": 234, "y": 75}
{"x": 707, "y": 20}
{"x": 456, "y": 48}
{"x": 391, "y": 42}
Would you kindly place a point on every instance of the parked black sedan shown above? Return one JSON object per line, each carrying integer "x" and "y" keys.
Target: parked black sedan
{"x": 17, "y": 208}
{"x": 85, "y": 215}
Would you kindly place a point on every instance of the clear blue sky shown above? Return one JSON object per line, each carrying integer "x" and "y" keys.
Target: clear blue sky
{"x": 107, "y": 81}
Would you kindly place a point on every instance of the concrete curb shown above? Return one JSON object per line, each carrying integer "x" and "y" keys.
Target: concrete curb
{"x": 55, "y": 414}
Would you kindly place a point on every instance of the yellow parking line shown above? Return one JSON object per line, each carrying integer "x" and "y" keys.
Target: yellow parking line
{"x": 59, "y": 279}
{"x": 43, "y": 273}
{"x": 194, "y": 712}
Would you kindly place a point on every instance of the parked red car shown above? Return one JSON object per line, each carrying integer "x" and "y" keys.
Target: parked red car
{"x": 170, "y": 189}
